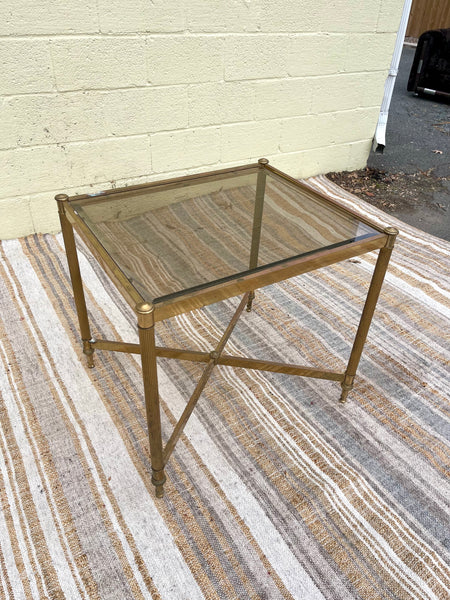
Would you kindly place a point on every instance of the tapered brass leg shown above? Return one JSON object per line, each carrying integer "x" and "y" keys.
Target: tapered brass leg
{"x": 367, "y": 314}
{"x": 75, "y": 277}
{"x": 347, "y": 386}
{"x": 146, "y": 328}
{"x": 257, "y": 221}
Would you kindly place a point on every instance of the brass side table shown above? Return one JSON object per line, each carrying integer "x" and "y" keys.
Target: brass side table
{"x": 179, "y": 244}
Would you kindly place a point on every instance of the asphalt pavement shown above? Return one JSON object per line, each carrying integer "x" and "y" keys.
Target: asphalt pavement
{"x": 418, "y": 139}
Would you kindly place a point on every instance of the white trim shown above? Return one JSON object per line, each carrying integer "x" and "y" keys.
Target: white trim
{"x": 379, "y": 141}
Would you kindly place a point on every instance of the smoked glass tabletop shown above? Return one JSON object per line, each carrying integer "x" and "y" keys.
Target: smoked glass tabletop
{"x": 170, "y": 239}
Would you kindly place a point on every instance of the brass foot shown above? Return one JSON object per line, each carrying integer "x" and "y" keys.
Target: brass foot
{"x": 88, "y": 351}
{"x": 250, "y": 301}
{"x": 344, "y": 394}
{"x": 158, "y": 480}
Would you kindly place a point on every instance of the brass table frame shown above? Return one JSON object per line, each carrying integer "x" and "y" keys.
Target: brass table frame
{"x": 148, "y": 314}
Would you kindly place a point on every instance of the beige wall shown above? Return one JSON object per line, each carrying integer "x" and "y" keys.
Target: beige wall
{"x": 102, "y": 93}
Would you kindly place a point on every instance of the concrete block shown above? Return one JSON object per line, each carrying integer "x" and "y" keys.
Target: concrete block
{"x": 315, "y": 161}
{"x": 354, "y": 125}
{"x": 342, "y": 16}
{"x": 96, "y": 63}
{"x": 44, "y": 212}
{"x": 204, "y": 16}
{"x": 25, "y": 170}
{"x": 369, "y": 52}
{"x": 324, "y": 160}
{"x": 157, "y": 16}
{"x": 29, "y": 17}
{"x": 249, "y": 141}
{"x": 317, "y": 54}
{"x": 216, "y": 103}
{"x": 374, "y": 90}
{"x": 185, "y": 149}
{"x": 286, "y": 16}
{"x": 389, "y": 15}
{"x": 289, "y": 162}
{"x": 184, "y": 59}
{"x": 347, "y": 91}
{"x": 358, "y": 154}
{"x": 52, "y": 118}
{"x": 310, "y": 131}
{"x": 256, "y": 56}
{"x": 145, "y": 110}
{"x": 316, "y": 131}
{"x": 282, "y": 98}
{"x": 108, "y": 160}
{"x": 155, "y": 177}
{"x": 26, "y": 66}
{"x": 15, "y": 218}
{"x": 9, "y": 127}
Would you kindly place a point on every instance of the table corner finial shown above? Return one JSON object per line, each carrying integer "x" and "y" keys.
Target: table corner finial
{"x": 392, "y": 233}
{"x": 144, "y": 312}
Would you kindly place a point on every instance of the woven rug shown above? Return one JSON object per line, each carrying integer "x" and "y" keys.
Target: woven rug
{"x": 275, "y": 490}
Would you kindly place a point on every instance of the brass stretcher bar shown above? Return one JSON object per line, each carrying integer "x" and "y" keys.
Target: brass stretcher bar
{"x": 223, "y": 359}
{"x": 148, "y": 313}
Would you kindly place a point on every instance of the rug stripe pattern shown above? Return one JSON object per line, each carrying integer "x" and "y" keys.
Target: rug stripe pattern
{"x": 275, "y": 490}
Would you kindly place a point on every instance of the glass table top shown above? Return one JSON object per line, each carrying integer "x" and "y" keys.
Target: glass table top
{"x": 177, "y": 237}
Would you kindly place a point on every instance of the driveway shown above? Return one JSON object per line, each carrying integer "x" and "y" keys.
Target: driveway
{"x": 418, "y": 141}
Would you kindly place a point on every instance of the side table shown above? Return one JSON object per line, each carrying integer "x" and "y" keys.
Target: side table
{"x": 180, "y": 244}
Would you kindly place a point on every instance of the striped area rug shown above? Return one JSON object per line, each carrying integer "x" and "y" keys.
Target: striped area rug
{"x": 275, "y": 490}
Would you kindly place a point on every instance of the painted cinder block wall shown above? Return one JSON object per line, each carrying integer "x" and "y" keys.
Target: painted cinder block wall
{"x": 103, "y": 93}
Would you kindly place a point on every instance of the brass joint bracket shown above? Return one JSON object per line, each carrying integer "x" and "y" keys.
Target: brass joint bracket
{"x": 87, "y": 346}
{"x": 214, "y": 355}
{"x": 347, "y": 386}
{"x": 348, "y": 381}
{"x": 88, "y": 351}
